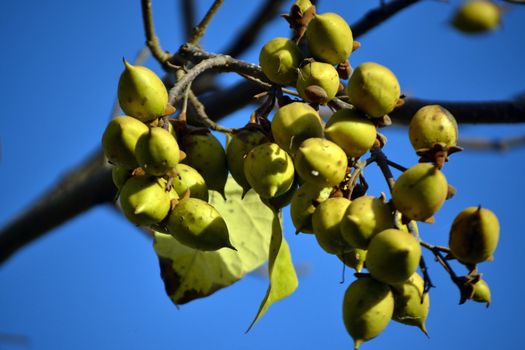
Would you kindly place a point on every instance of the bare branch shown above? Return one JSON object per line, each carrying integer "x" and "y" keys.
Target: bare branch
{"x": 152, "y": 41}
{"x": 200, "y": 29}
{"x": 201, "y": 116}
{"x": 482, "y": 112}
{"x": 85, "y": 187}
{"x": 209, "y": 61}
{"x": 187, "y": 17}
{"x": 379, "y": 15}
{"x": 248, "y": 35}
{"x": 481, "y": 144}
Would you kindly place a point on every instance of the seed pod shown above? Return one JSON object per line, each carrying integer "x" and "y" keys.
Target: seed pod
{"x": 240, "y": 144}
{"x": 304, "y": 202}
{"x": 365, "y": 217}
{"x": 157, "y": 151}
{"x": 354, "y": 258}
{"x": 374, "y": 89}
{"x": 368, "y": 306}
{"x": 352, "y": 132}
{"x": 411, "y": 304}
{"x": 144, "y": 200}
{"x": 120, "y": 175}
{"x": 141, "y": 93}
{"x": 393, "y": 256}
{"x": 321, "y": 75}
{"x": 329, "y": 38}
{"x": 433, "y": 125}
{"x": 294, "y": 123}
{"x": 481, "y": 292}
{"x": 326, "y": 220}
{"x": 205, "y": 154}
{"x": 198, "y": 225}
{"x": 478, "y": 16}
{"x": 420, "y": 191}
{"x": 321, "y": 162}
{"x": 279, "y": 59}
{"x": 188, "y": 178}
{"x": 269, "y": 170}
{"x": 282, "y": 200}
{"x": 474, "y": 235}
{"x": 120, "y": 140}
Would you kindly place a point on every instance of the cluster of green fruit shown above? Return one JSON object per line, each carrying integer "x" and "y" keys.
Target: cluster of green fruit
{"x": 164, "y": 169}
{"x": 158, "y": 183}
{"x": 362, "y": 230}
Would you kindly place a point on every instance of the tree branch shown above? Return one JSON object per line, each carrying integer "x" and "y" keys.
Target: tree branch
{"x": 86, "y": 186}
{"x": 379, "y": 15}
{"x": 248, "y": 35}
{"x": 482, "y": 112}
{"x": 187, "y": 17}
{"x": 152, "y": 41}
{"x": 200, "y": 29}
{"x": 480, "y": 144}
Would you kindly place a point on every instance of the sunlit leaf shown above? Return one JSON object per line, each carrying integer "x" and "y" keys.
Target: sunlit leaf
{"x": 283, "y": 278}
{"x": 189, "y": 274}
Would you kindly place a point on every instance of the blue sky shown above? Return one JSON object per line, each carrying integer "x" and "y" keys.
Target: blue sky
{"x": 94, "y": 282}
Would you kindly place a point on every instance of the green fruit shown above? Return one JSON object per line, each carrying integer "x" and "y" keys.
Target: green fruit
{"x": 294, "y": 123}
{"x": 198, "y": 225}
{"x": 120, "y": 175}
{"x": 279, "y": 60}
{"x": 144, "y": 200}
{"x": 282, "y": 200}
{"x": 120, "y": 140}
{"x": 326, "y": 220}
{"x": 433, "y": 125}
{"x": 157, "y": 151}
{"x": 141, "y": 93}
{"x": 474, "y": 235}
{"x": 478, "y": 16}
{"x": 240, "y": 144}
{"x": 354, "y": 258}
{"x": 269, "y": 170}
{"x": 420, "y": 191}
{"x": 329, "y": 38}
{"x": 188, "y": 178}
{"x": 320, "y": 75}
{"x": 393, "y": 256}
{"x": 321, "y": 162}
{"x": 304, "y": 202}
{"x": 374, "y": 89}
{"x": 365, "y": 217}
{"x": 368, "y": 306}
{"x": 411, "y": 304}
{"x": 205, "y": 154}
{"x": 481, "y": 292}
{"x": 352, "y": 132}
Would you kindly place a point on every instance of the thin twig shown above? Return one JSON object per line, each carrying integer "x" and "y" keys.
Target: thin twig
{"x": 396, "y": 165}
{"x": 152, "y": 41}
{"x": 203, "y": 118}
{"x": 207, "y": 61}
{"x": 200, "y": 29}
{"x": 382, "y": 161}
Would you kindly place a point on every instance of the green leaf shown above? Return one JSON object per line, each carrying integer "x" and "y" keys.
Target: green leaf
{"x": 189, "y": 274}
{"x": 283, "y": 278}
